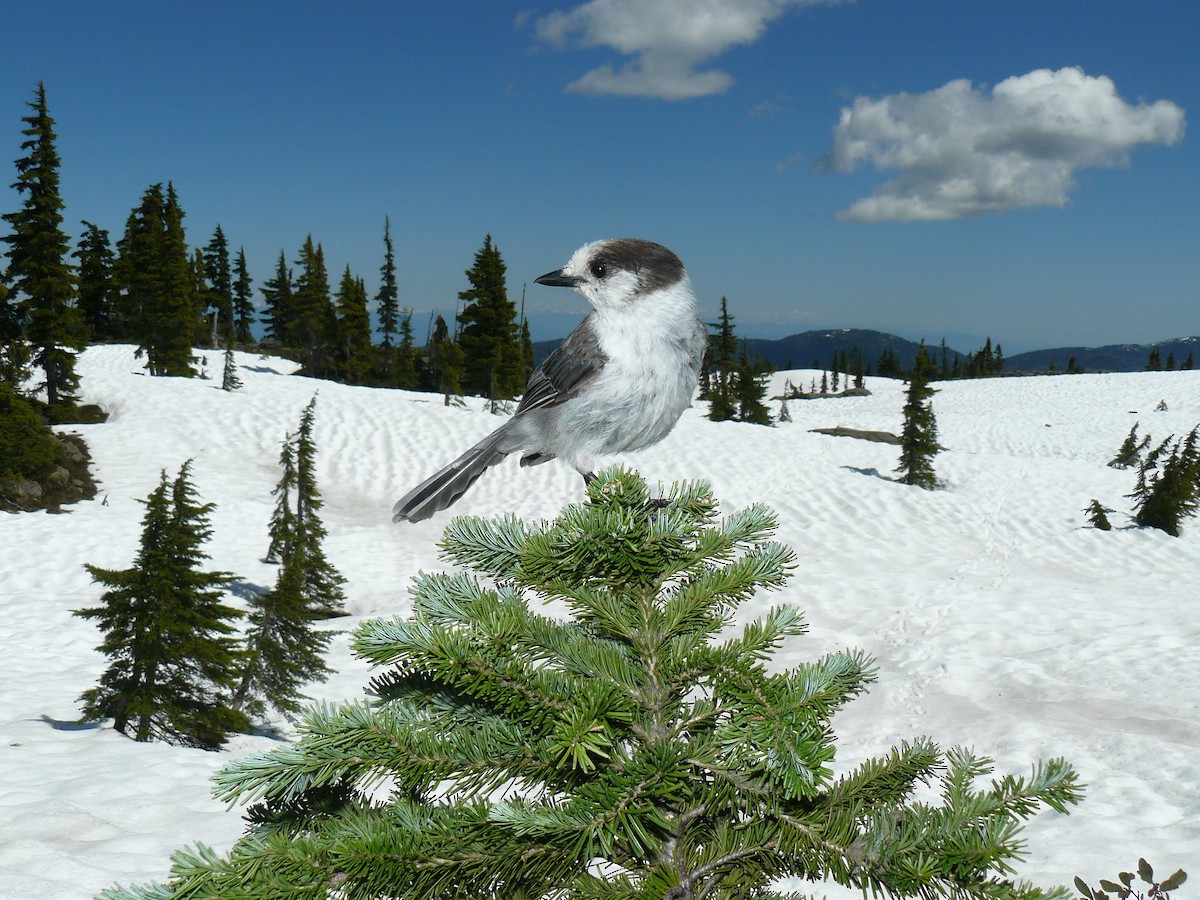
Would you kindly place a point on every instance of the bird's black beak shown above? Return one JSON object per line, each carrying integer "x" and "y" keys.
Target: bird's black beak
{"x": 558, "y": 279}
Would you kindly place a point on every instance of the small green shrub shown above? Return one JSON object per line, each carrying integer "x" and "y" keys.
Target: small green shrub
{"x": 1124, "y": 888}
{"x": 27, "y": 445}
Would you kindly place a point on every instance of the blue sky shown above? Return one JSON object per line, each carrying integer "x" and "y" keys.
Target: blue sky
{"x": 1020, "y": 169}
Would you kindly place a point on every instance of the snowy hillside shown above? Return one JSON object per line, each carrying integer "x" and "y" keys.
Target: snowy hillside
{"x": 997, "y": 619}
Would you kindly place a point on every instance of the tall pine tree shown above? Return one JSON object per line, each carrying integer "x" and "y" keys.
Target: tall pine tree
{"x": 283, "y": 649}
{"x": 296, "y": 524}
{"x": 387, "y": 302}
{"x": 354, "y": 330}
{"x": 488, "y": 329}
{"x": 40, "y": 276}
{"x": 97, "y": 288}
{"x": 219, "y": 275}
{"x": 322, "y": 583}
{"x": 720, "y": 365}
{"x": 243, "y": 300}
{"x": 280, "y": 316}
{"x": 315, "y": 317}
{"x": 167, "y": 633}
{"x": 159, "y": 306}
{"x": 918, "y": 438}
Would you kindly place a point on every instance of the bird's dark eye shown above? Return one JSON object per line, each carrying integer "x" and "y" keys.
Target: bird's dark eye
{"x": 598, "y": 269}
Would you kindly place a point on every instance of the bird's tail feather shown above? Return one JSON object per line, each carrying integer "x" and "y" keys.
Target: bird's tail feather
{"x": 442, "y": 489}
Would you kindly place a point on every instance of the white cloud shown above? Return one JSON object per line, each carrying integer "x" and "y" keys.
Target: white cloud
{"x": 963, "y": 152}
{"x": 668, "y": 40}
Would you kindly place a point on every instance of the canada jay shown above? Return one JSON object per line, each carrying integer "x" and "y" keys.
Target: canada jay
{"x": 620, "y": 381}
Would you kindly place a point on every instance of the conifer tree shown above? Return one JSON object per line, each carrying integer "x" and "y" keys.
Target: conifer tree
{"x": 446, "y": 362}
{"x": 918, "y": 438}
{"x": 888, "y": 365}
{"x": 159, "y": 306}
{"x": 219, "y": 275}
{"x": 721, "y": 362}
{"x": 137, "y": 268}
{"x": 751, "y": 382}
{"x": 40, "y": 277}
{"x": 322, "y": 583}
{"x": 315, "y": 315}
{"x": 405, "y": 375}
{"x": 14, "y": 352}
{"x": 387, "y": 300}
{"x": 643, "y": 747}
{"x": 296, "y": 520}
{"x": 492, "y": 358}
{"x": 282, "y": 526}
{"x": 283, "y": 650}
{"x": 280, "y": 316}
{"x": 179, "y": 313}
{"x": 167, "y": 633}
{"x": 354, "y": 329}
{"x": 243, "y": 300}
{"x": 1097, "y": 516}
{"x": 97, "y": 289}
{"x": 229, "y": 376}
{"x": 1168, "y": 484}
{"x": 1130, "y": 450}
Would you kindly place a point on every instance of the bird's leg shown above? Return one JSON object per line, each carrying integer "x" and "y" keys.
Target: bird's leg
{"x": 588, "y": 478}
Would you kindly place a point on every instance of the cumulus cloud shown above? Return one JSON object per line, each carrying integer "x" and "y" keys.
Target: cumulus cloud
{"x": 961, "y": 151}
{"x": 668, "y": 41}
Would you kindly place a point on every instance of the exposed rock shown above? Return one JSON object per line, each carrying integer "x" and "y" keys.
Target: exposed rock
{"x": 881, "y": 437}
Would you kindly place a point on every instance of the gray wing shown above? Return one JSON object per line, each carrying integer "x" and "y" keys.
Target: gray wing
{"x": 565, "y": 372}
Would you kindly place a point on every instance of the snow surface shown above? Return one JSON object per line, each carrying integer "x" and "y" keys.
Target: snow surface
{"x": 997, "y": 619}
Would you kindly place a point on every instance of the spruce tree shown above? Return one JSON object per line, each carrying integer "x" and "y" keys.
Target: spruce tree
{"x": 219, "y": 275}
{"x": 229, "y": 376}
{"x": 751, "y": 381}
{"x": 721, "y": 361}
{"x": 322, "y": 583}
{"x": 283, "y": 650}
{"x": 492, "y": 358}
{"x": 14, "y": 352}
{"x": 243, "y": 300}
{"x": 354, "y": 329}
{"x": 446, "y": 362}
{"x": 387, "y": 302}
{"x": 97, "y": 288}
{"x": 918, "y": 438}
{"x": 315, "y": 317}
{"x": 167, "y": 633}
{"x": 1168, "y": 484}
{"x": 296, "y": 524}
{"x": 405, "y": 374}
{"x": 159, "y": 307}
{"x": 139, "y": 254}
{"x": 282, "y": 526}
{"x": 40, "y": 276}
{"x": 1130, "y": 450}
{"x": 646, "y": 746}
{"x": 1097, "y": 516}
{"x": 280, "y": 316}
{"x": 180, "y": 306}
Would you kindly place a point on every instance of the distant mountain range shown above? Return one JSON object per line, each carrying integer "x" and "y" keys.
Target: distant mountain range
{"x": 816, "y": 349}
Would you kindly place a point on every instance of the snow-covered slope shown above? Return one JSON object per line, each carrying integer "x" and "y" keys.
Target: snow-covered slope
{"x": 997, "y": 619}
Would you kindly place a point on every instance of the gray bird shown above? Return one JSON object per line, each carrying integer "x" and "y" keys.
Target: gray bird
{"x": 619, "y": 382}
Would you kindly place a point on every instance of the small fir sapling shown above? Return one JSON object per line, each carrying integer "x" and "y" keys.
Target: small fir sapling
{"x": 1131, "y": 450}
{"x": 1097, "y": 516}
